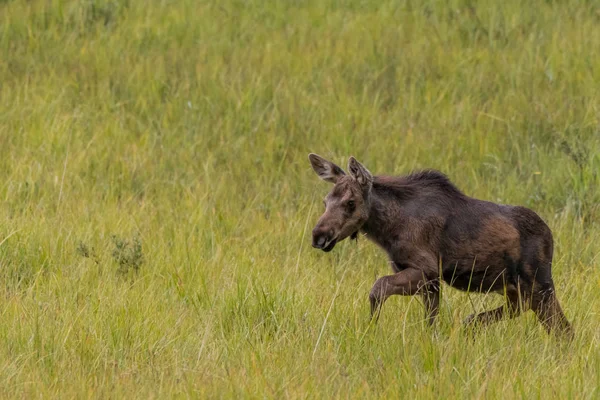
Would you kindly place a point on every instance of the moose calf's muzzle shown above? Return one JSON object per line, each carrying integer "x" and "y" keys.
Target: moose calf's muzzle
{"x": 323, "y": 238}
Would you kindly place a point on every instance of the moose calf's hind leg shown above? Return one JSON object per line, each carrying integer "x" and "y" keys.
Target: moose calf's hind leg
{"x": 486, "y": 317}
{"x": 546, "y": 307}
{"x": 510, "y": 310}
{"x": 406, "y": 283}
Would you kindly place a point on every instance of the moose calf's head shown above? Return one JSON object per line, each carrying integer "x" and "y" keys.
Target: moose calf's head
{"x": 346, "y": 206}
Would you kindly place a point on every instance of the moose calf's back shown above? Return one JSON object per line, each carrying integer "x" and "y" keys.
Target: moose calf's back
{"x": 490, "y": 247}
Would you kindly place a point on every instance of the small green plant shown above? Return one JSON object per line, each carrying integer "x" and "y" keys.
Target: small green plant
{"x": 128, "y": 254}
{"x": 87, "y": 252}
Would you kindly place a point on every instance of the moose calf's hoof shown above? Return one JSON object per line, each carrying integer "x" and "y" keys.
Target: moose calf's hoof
{"x": 377, "y": 296}
{"x": 375, "y": 303}
{"x": 470, "y": 320}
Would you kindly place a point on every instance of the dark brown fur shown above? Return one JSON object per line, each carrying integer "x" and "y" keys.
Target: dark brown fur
{"x": 431, "y": 231}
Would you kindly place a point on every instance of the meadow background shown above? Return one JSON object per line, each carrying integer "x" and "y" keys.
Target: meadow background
{"x": 156, "y": 199}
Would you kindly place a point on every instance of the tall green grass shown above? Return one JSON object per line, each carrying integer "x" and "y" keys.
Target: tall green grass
{"x": 156, "y": 201}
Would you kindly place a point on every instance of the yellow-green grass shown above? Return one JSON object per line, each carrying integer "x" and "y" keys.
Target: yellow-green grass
{"x": 184, "y": 126}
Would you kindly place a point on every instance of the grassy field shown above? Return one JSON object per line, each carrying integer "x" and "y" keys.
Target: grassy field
{"x": 156, "y": 199}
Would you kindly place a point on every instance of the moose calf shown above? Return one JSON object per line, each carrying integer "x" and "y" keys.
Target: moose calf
{"x": 431, "y": 231}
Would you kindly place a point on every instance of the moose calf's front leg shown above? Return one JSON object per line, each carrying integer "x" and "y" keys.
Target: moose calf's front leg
{"x": 405, "y": 283}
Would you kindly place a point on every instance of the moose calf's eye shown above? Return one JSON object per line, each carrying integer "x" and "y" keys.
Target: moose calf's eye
{"x": 351, "y": 204}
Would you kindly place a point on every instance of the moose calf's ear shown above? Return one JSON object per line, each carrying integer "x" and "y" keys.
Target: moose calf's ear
{"x": 326, "y": 170}
{"x": 359, "y": 172}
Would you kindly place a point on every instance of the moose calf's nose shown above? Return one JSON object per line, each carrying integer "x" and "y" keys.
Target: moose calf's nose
{"x": 319, "y": 237}
{"x": 319, "y": 242}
